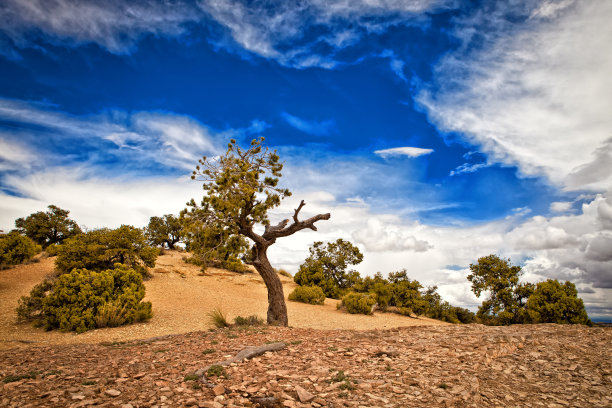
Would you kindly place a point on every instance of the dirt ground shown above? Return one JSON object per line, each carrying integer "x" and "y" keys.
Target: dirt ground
{"x": 181, "y": 298}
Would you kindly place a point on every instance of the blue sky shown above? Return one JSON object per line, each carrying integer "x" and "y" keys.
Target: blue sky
{"x": 434, "y": 131}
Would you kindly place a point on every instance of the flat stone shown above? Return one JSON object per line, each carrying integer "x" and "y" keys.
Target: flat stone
{"x": 304, "y": 395}
{"x": 112, "y": 393}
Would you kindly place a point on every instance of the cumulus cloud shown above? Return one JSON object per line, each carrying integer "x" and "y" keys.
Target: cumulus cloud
{"x": 312, "y": 127}
{"x": 561, "y": 206}
{"x": 379, "y": 237}
{"x": 116, "y": 25}
{"x": 534, "y": 94}
{"x": 403, "y": 151}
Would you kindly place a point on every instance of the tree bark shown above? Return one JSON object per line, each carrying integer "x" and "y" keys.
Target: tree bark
{"x": 277, "y": 309}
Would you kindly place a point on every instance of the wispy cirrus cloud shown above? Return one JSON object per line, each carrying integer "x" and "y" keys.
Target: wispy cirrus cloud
{"x": 403, "y": 151}
{"x": 294, "y": 34}
{"x": 116, "y": 25}
{"x": 312, "y": 127}
{"x": 139, "y": 138}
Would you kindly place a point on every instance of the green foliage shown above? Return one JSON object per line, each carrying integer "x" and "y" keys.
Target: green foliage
{"x": 217, "y": 318}
{"x": 554, "y": 302}
{"x": 313, "y": 295}
{"x": 101, "y": 249}
{"x": 507, "y": 298}
{"x": 191, "y": 377}
{"x": 166, "y": 230}
{"x": 511, "y": 302}
{"x": 216, "y": 371}
{"x": 16, "y": 249}
{"x": 359, "y": 303}
{"x": 212, "y": 244}
{"x": 47, "y": 228}
{"x": 252, "y": 320}
{"x": 326, "y": 267}
{"x": 81, "y": 299}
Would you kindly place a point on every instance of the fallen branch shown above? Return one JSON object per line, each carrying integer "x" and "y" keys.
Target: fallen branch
{"x": 249, "y": 352}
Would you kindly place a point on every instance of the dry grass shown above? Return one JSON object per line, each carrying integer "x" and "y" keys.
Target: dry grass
{"x": 181, "y": 300}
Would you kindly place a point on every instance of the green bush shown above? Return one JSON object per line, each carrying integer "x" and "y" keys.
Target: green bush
{"x": 101, "y": 249}
{"x": 252, "y": 320}
{"x": 308, "y": 294}
{"x": 16, "y": 249}
{"x": 359, "y": 302}
{"x": 83, "y": 300}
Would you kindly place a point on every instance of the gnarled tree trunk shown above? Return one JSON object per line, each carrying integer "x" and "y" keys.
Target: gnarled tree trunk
{"x": 277, "y": 309}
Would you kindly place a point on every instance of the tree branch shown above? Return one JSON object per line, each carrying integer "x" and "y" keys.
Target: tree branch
{"x": 282, "y": 230}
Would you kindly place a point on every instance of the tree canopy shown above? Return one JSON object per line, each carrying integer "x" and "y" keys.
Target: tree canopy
{"x": 555, "y": 302}
{"x": 241, "y": 187}
{"x": 327, "y": 265}
{"x": 48, "y": 228}
{"x": 166, "y": 230}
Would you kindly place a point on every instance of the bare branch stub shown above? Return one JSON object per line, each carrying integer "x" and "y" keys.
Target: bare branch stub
{"x": 282, "y": 230}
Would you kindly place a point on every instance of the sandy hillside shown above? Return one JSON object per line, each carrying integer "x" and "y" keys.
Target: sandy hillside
{"x": 181, "y": 298}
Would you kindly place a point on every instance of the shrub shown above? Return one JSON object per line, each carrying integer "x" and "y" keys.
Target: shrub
{"x": 16, "y": 249}
{"x": 101, "y": 249}
{"x": 308, "y": 294}
{"x": 82, "y": 300}
{"x": 252, "y": 320}
{"x": 217, "y": 318}
{"x": 359, "y": 303}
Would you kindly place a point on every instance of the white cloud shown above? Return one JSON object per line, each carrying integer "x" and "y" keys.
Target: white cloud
{"x": 14, "y": 155}
{"x": 95, "y": 202}
{"x": 169, "y": 139}
{"x": 116, "y": 25}
{"x": 379, "y": 237}
{"x": 468, "y": 168}
{"x": 403, "y": 151}
{"x": 311, "y": 127}
{"x": 272, "y": 30}
{"x": 537, "y": 94}
{"x": 561, "y": 206}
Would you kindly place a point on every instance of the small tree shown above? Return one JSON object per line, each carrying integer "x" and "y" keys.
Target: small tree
{"x": 241, "y": 187}
{"x": 507, "y": 298}
{"x": 166, "y": 230}
{"x": 47, "y": 228}
{"x": 327, "y": 265}
{"x": 554, "y": 302}
{"x": 101, "y": 249}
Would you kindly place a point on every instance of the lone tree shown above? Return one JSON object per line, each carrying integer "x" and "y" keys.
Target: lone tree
{"x": 164, "y": 230}
{"x": 507, "y": 297}
{"x": 327, "y": 265}
{"x": 241, "y": 187}
{"x": 48, "y": 228}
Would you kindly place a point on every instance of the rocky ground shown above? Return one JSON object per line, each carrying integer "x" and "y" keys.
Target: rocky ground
{"x": 447, "y": 366}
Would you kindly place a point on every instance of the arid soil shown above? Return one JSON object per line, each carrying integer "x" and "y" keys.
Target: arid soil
{"x": 393, "y": 361}
{"x": 182, "y": 297}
